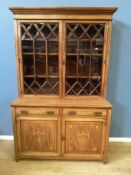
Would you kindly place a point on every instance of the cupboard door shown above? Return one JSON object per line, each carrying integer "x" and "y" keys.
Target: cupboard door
{"x": 38, "y": 136}
{"x": 40, "y": 58}
{"x": 84, "y": 53}
{"x": 83, "y": 138}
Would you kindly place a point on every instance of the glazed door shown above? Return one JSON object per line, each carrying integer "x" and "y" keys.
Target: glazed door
{"x": 38, "y": 136}
{"x": 83, "y": 138}
{"x": 84, "y": 58}
{"x": 40, "y": 55}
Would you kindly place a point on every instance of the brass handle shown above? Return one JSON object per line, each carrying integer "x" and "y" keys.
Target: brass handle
{"x": 50, "y": 112}
{"x": 24, "y": 112}
{"x": 98, "y": 114}
{"x": 71, "y": 113}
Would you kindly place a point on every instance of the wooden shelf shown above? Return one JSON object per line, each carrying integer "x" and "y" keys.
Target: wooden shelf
{"x": 41, "y": 76}
{"x": 53, "y": 54}
{"x": 87, "y": 54}
{"x": 29, "y": 76}
{"x": 97, "y": 54}
{"x": 90, "y": 77}
{"x": 37, "y": 53}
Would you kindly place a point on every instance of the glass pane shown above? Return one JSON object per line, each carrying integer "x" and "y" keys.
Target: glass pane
{"x": 40, "y": 65}
{"x": 71, "y": 66}
{"x": 52, "y": 46}
{"x": 41, "y": 86}
{"x": 96, "y": 66}
{"x": 40, "y": 47}
{"x": 53, "y": 65}
{"x": 84, "y": 55}
{"x": 83, "y": 65}
{"x": 71, "y": 46}
{"x": 77, "y": 86}
{"x": 28, "y": 65}
{"x": 27, "y": 46}
{"x": 97, "y": 46}
{"x": 84, "y": 47}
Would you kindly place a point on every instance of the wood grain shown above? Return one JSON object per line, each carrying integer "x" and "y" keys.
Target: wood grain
{"x": 61, "y": 126}
{"x": 85, "y": 112}
{"x": 35, "y": 110}
{"x": 38, "y": 135}
{"x": 86, "y": 103}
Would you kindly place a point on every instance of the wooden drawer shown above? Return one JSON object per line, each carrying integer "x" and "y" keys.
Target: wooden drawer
{"x": 85, "y": 112}
{"x": 36, "y": 110}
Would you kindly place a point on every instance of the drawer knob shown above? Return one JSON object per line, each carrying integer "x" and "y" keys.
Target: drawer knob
{"x": 50, "y": 112}
{"x": 72, "y": 113}
{"x": 98, "y": 114}
{"x": 24, "y": 112}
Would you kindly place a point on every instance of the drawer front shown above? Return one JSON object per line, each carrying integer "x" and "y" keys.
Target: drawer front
{"x": 36, "y": 110}
{"x": 85, "y": 112}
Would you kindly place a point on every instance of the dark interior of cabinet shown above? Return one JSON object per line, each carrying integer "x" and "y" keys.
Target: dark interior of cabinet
{"x": 84, "y": 57}
{"x": 40, "y": 47}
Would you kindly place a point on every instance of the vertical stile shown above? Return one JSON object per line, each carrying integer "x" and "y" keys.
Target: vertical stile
{"x": 107, "y": 54}
{"x": 77, "y": 61}
{"x": 34, "y": 59}
{"x": 60, "y": 57}
{"x": 90, "y": 63}
{"x": 64, "y": 55}
{"x": 104, "y": 60}
{"x": 19, "y": 55}
{"x": 46, "y": 53}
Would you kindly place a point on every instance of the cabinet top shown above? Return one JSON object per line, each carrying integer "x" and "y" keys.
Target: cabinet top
{"x": 63, "y": 10}
{"x": 87, "y": 103}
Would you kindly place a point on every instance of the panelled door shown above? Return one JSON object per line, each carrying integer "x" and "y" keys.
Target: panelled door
{"x": 84, "y": 57}
{"x": 40, "y": 55}
{"x": 83, "y": 137}
{"x": 38, "y": 136}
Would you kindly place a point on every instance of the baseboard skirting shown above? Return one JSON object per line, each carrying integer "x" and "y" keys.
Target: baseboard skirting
{"x": 120, "y": 139}
{"x": 111, "y": 139}
{"x": 6, "y": 137}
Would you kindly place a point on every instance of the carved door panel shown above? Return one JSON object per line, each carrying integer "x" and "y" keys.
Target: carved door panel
{"x": 83, "y": 137}
{"x": 38, "y": 136}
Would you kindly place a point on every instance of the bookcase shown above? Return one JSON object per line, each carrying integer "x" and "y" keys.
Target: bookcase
{"x": 62, "y": 56}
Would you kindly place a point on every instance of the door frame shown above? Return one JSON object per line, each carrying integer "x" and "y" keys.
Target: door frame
{"x": 17, "y": 26}
{"x": 105, "y": 62}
